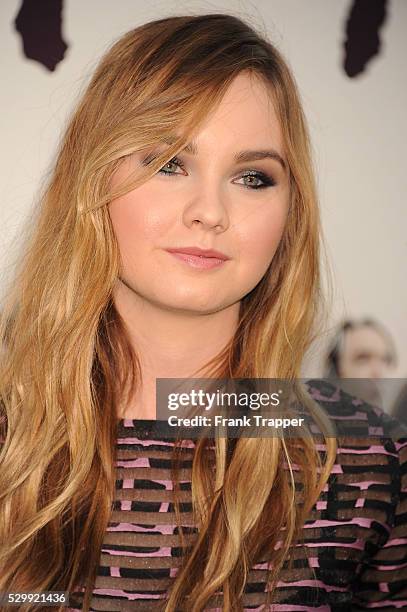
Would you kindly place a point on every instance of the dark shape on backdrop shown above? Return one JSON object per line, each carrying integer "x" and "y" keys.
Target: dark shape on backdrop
{"x": 362, "y": 29}
{"x": 39, "y": 23}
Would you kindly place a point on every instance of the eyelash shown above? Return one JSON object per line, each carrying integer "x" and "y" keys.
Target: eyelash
{"x": 268, "y": 181}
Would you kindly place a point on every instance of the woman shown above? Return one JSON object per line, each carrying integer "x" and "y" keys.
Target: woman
{"x": 190, "y": 134}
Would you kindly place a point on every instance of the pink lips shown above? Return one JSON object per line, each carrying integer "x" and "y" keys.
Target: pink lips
{"x": 199, "y": 258}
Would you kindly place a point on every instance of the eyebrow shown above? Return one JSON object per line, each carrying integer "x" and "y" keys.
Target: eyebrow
{"x": 240, "y": 157}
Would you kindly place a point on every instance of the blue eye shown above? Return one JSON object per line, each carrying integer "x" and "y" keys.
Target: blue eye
{"x": 266, "y": 180}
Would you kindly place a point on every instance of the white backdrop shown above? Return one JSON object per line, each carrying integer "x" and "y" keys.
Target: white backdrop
{"x": 358, "y": 128}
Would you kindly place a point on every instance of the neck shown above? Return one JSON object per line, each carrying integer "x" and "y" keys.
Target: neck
{"x": 169, "y": 343}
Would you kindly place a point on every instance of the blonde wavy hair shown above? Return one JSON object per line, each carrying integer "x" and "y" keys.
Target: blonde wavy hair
{"x": 66, "y": 357}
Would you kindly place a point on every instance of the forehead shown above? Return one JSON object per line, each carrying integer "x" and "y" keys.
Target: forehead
{"x": 246, "y": 113}
{"x": 366, "y": 339}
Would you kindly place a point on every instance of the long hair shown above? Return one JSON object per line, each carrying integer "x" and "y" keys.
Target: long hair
{"x": 66, "y": 357}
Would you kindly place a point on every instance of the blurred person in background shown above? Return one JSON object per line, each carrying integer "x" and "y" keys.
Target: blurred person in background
{"x": 362, "y": 352}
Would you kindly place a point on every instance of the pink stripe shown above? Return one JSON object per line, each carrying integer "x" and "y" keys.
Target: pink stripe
{"x": 358, "y": 520}
{"x": 395, "y": 542}
{"x": 160, "y": 529}
{"x": 128, "y": 483}
{"x": 156, "y": 528}
{"x": 356, "y": 416}
{"x": 313, "y": 562}
{"x": 352, "y": 419}
{"x": 391, "y": 567}
{"x": 139, "y": 462}
{"x": 312, "y": 583}
{"x": 364, "y": 485}
{"x": 260, "y": 566}
{"x": 358, "y": 544}
{"x": 118, "y": 593}
{"x": 135, "y": 440}
{"x": 280, "y": 608}
{"x": 150, "y": 442}
{"x": 336, "y": 469}
{"x": 124, "y": 553}
{"x": 162, "y": 552}
{"x": 291, "y": 608}
{"x": 316, "y": 394}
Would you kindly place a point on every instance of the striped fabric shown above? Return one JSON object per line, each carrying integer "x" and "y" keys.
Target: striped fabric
{"x": 353, "y": 551}
{"x": 353, "y": 554}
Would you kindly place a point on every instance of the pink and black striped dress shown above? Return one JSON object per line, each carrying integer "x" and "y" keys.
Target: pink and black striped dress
{"x": 353, "y": 554}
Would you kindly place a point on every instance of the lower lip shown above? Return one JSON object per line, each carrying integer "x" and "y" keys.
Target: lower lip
{"x": 195, "y": 261}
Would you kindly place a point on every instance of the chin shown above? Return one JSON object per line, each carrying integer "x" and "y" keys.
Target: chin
{"x": 193, "y": 306}
{"x": 190, "y": 303}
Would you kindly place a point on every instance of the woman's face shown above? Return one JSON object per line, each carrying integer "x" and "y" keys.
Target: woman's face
{"x": 211, "y": 200}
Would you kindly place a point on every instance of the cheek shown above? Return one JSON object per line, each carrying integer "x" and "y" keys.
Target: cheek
{"x": 261, "y": 233}
{"x": 137, "y": 224}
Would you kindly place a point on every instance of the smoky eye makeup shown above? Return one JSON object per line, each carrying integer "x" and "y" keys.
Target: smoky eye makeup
{"x": 257, "y": 179}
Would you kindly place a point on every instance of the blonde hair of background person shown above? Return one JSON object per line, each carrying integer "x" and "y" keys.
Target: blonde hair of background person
{"x": 68, "y": 360}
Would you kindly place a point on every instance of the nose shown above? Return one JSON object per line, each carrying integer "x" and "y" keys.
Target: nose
{"x": 207, "y": 208}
